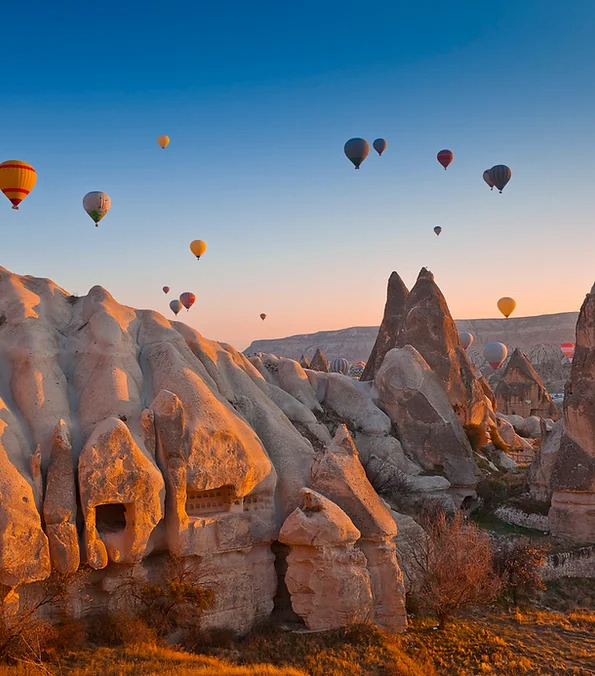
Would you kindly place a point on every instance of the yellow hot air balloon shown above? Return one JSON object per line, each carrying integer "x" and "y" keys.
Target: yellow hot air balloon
{"x": 163, "y": 141}
{"x": 17, "y": 180}
{"x": 198, "y": 247}
{"x": 506, "y": 306}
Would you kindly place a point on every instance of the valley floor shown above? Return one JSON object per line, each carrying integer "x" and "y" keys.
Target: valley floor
{"x": 492, "y": 641}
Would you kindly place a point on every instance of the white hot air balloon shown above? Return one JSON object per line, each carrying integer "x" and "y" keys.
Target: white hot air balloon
{"x": 466, "y": 339}
{"x": 495, "y": 354}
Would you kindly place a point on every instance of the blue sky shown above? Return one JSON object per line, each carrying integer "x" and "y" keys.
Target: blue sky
{"x": 258, "y": 99}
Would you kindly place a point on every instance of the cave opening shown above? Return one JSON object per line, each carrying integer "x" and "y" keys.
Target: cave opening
{"x": 111, "y": 518}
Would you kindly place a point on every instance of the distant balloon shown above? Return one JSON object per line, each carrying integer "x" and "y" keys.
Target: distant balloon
{"x": 506, "y": 306}
{"x": 379, "y": 145}
{"x": 495, "y": 354}
{"x": 445, "y": 157}
{"x": 263, "y": 316}
{"x": 17, "y": 180}
{"x": 166, "y": 289}
{"x": 438, "y": 230}
{"x": 357, "y": 369}
{"x": 198, "y": 247}
{"x": 567, "y": 350}
{"x": 488, "y": 179}
{"x": 339, "y": 365}
{"x": 175, "y": 306}
{"x": 500, "y": 175}
{"x": 357, "y": 150}
{"x": 187, "y": 299}
{"x": 96, "y": 204}
{"x": 466, "y": 339}
{"x": 163, "y": 141}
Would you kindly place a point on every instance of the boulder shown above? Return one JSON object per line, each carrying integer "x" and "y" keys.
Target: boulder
{"x": 411, "y": 394}
{"x": 540, "y": 470}
{"x": 338, "y": 474}
{"x": 394, "y": 310}
{"x": 384, "y": 447}
{"x": 327, "y": 575}
{"x": 572, "y": 512}
{"x": 304, "y": 362}
{"x": 522, "y": 392}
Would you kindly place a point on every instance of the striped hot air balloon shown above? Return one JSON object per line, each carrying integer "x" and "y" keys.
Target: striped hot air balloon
{"x": 567, "y": 350}
{"x": 500, "y": 175}
{"x": 445, "y": 157}
{"x": 17, "y": 180}
{"x": 339, "y": 365}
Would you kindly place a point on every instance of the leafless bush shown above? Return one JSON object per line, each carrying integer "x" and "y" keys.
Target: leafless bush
{"x": 387, "y": 479}
{"x": 520, "y": 563}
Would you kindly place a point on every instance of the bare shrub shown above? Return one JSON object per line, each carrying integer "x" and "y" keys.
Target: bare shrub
{"x": 519, "y": 563}
{"x": 456, "y": 569}
{"x": 387, "y": 479}
{"x": 478, "y": 437}
{"x": 497, "y": 440}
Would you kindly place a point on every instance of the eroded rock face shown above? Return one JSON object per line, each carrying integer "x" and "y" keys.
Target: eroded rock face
{"x": 394, "y": 311}
{"x": 430, "y": 329}
{"x": 338, "y": 474}
{"x": 521, "y": 391}
{"x": 540, "y": 470}
{"x": 327, "y": 575}
{"x": 411, "y": 394}
{"x": 572, "y": 512}
{"x": 319, "y": 362}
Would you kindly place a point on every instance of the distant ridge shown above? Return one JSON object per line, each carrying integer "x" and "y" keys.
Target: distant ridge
{"x": 355, "y": 343}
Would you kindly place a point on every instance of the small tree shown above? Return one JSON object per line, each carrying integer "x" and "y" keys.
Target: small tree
{"x": 520, "y": 562}
{"x": 456, "y": 568}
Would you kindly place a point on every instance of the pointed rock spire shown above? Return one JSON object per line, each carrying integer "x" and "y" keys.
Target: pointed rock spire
{"x": 522, "y": 392}
{"x": 304, "y": 362}
{"x": 396, "y": 295}
{"x": 319, "y": 362}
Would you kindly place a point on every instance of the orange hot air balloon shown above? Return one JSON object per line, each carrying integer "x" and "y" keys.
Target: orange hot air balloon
{"x": 17, "y": 180}
{"x": 506, "y": 306}
{"x": 187, "y": 299}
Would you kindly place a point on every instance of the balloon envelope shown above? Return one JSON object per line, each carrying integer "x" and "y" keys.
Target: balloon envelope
{"x": 466, "y": 339}
{"x": 339, "y": 365}
{"x": 495, "y": 354}
{"x": 488, "y": 179}
{"x": 187, "y": 299}
{"x": 357, "y": 369}
{"x": 263, "y": 316}
{"x": 445, "y": 157}
{"x": 163, "y": 141}
{"x": 96, "y": 204}
{"x": 357, "y": 150}
{"x": 437, "y": 230}
{"x": 166, "y": 289}
{"x": 379, "y": 145}
{"x": 198, "y": 247}
{"x": 175, "y": 306}
{"x": 506, "y": 305}
{"x": 567, "y": 350}
{"x": 17, "y": 180}
{"x": 500, "y": 175}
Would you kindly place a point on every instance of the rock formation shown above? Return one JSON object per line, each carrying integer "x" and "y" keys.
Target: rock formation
{"x": 304, "y": 362}
{"x": 521, "y": 391}
{"x": 394, "y": 310}
{"x": 572, "y": 512}
{"x": 319, "y": 362}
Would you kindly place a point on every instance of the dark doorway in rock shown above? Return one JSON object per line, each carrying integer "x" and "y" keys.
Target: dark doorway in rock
{"x": 111, "y": 518}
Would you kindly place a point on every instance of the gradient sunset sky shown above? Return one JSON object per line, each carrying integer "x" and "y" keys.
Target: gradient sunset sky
{"x": 258, "y": 99}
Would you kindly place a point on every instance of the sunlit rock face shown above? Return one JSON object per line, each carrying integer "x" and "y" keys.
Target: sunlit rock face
{"x": 572, "y": 512}
{"x": 521, "y": 391}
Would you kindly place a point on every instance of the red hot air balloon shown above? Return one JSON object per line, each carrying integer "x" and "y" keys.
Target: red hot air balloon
{"x": 488, "y": 179}
{"x": 187, "y": 299}
{"x": 166, "y": 289}
{"x": 445, "y": 157}
{"x": 567, "y": 350}
{"x": 379, "y": 145}
{"x": 263, "y": 316}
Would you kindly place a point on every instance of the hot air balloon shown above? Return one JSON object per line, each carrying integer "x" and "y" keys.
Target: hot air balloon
{"x": 263, "y": 316}
{"x": 96, "y": 204}
{"x": 495, "y": 354}
{"x": 357, "y": 150}
{"x": 166, "y": 289}
{"x": 17, "y": 180}
{"x": 445, "y": 157}
{"x": 198, "y": 247}
{"x": 437, "y": 230}
{"x": 187, "y": 299}
{"x": 487, "y": 178}
{"x": 163, "y": 141}
{"x": 506, "y": 306}
{"x": 379, "y": 145}
{"x": 339, "y": 365}
{"x": 500, "y": 175}
{"x": 357, "y": 369}
{"x": 466, "y": 339}
{"x": 567, "y": 350}
{"x": 175, "y": 306}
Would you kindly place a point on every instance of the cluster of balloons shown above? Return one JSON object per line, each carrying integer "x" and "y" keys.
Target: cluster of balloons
{"x": 186, "y": 299}
{"x": 357, "y": 149}
{"x": 497, "y": 176}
